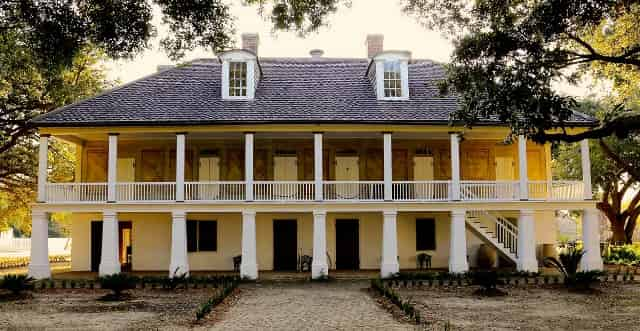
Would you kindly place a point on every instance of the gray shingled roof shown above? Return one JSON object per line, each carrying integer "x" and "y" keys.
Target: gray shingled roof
{"x": 290, "y": 91}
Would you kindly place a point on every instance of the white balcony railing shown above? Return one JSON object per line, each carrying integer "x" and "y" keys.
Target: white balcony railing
{"x": 146, "y": 191}
{"x": 353, "y": 190}
{"x": 283, "y": 191}
{"x": 76, "y": 192}
{"x": 489, "y": 190}
{"x": 563, "y": 190}
{"x": 403, "y": 191}
{"x": 435, "y": 190}
{"x": 215, "y": 191}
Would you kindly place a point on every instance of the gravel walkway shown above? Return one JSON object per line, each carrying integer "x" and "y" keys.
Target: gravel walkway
{"x": 339, "y": 305}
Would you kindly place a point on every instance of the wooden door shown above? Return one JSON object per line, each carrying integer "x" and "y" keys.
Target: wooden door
{"x": 96, "y": 245}
{"x": 347, "y": 169}
{"x": 209, "y": 171}
{"x": 285, "y": 245}
{"x": 423, "y": 171}
{"x": 400, "y": 166}
{"x": 535, "y": 165}
{"x": 505, "y": 168}
{"x": 126, "y": 170}
{"x": 96, "y": 168}
{"x": 125, "y": 242}
{"x": 475, "y": 165}
{"x": 285, "y": 168}
{"x": 347, "y": 245}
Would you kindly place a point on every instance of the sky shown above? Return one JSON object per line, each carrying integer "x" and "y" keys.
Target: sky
{"x": 343, "y": 37}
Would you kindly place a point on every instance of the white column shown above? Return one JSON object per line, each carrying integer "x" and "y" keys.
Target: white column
{"x": 458, "y": 242}
{"x": 389, "y": 264}
{"x": 522, "y": 166}
{"x": 317, "y": 165}
{"x": 112, "y": 167}
{"x": 109, "y": 261}
{"x": 319, "y": 267}
{"x": 39, "y": 265}
{"x": 180, "y": 155}
{"x": 586, "y": 169}
{"x": 591, "y": 260}
{"x": 455, "y": 166}
{"x": 527, "y": 242}
{"x": 248, "y": 165}
{"x": 249, "y": 265}
{"x": 43, "y": 162}
{"x": 179, "y": 259}
{"x": 388, "y": 171}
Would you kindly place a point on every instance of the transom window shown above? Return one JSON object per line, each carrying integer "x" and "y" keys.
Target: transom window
{"x": 237, "y": 79}
{"x": 392, "y": 79}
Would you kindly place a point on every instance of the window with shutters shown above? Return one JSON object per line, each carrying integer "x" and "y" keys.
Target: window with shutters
{"x": 202, "y": 236}
{"x": 425, "y": 234}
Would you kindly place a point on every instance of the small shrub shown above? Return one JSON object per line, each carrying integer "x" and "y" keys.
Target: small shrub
{"x": 567, "y": 264}
{"x": 17, "y": 284}
{"x": 118, "y": 284}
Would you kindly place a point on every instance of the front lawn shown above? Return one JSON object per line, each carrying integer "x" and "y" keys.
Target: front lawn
{"x": 543, "y": 307}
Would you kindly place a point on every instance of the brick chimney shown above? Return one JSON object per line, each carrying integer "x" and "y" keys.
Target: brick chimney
{"x": 375, "y": 44}
{"x": 250, "y": 42}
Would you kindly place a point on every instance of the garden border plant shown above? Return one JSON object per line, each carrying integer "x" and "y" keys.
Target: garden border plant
{"x": 228, "y": 286}
{"x": 407, "y": 307}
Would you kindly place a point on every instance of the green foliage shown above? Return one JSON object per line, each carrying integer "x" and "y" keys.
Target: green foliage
{"x": 172, "y": 283}
{"x": 508, "y": 55}
{"x": 118, "y": 284}
{"x": 568, "y": 263}
{"x": 488, "y": 282}
{"x": 17, "y": 283}
{"x": 623, "y": 255}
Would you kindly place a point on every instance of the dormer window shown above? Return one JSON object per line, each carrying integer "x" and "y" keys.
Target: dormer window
{"x": 237, "y": 79}
{"x": 389, "y": 72}
{"x": 392, "y": 79}
{"x": 240, "y": 75}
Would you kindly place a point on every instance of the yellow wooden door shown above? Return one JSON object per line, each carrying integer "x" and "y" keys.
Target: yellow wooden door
{"x": 505, "y": 168}
{"x": 126, "y": 170}
{"x": 423, "y": 170}
{"x": 209, "y": 171}
{"x": 285, "y": 168}
{"x": 96, "y": 167}
{"x": 347, "y": 169}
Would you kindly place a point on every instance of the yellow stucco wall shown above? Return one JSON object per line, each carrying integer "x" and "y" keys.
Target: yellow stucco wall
{"x": 151, "y": 239}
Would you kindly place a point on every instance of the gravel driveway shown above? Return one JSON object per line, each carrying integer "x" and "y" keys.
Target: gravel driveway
{"x": 339, "y": 305}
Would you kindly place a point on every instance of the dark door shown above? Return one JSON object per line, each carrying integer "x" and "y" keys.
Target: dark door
{"x": 285, "y": 244}
{"x": 96, "y": 244}
{"x": 347, "y": 245}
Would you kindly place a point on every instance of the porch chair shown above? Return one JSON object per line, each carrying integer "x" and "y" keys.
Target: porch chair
{"x": 304, "y": 263}
{"x": 423, "y": 261}
{"x": 237, "y": 260}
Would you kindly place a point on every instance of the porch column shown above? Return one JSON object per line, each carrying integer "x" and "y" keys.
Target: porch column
{"x": 39, "y": 265}
{"x": 319, "y": 267}
{"x": 522, "y": 168}
{"x": 249, "y": 265}
{"x": 458, "y": 242}
{"x": 455, "y": 166}
{"x": 527, "y": 242}
{"x": 180, "y": 154}
{"x": 317, "y": 165}
{"x": 179, "y": 259}
{"x": 389, "y": 264}
{"x": 586, "y": 169}
{"x": 43, "y": 164}
{"x": 248, "y": 165}
{"x": 388, "y": 171}
{"x": 109, "y": 262}
{"x": 112, "y": 171}
{"x": 591, "y": 260}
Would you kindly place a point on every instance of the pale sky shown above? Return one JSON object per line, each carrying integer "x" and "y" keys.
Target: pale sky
{"x": 344, "y": 37}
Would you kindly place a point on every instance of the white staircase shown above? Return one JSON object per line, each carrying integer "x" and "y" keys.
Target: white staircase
{"x": 496, "y": 230}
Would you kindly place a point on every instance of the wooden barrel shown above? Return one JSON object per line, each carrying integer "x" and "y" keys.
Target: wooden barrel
{"x": 487, "y": 256}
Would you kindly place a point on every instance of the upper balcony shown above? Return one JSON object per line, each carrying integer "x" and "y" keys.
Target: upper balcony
{"x": 308, "y": 167}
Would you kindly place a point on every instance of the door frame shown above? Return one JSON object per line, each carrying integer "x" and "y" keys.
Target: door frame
{"x": 96, "y": 225}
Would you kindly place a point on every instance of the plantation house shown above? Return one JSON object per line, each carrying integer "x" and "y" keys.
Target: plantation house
{"x": 262, "y": 163}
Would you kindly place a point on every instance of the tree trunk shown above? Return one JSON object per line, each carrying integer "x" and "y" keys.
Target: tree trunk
{"x": 617, "y": 228}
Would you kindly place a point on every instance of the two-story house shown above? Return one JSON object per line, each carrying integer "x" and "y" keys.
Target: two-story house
{"x": 349, "y": 161}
